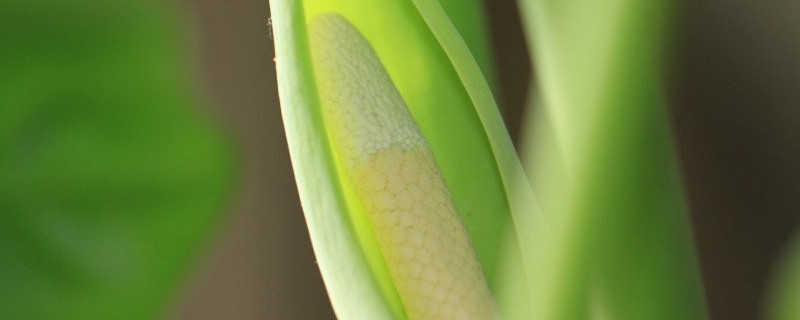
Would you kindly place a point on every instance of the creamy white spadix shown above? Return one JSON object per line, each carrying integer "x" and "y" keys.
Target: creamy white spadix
{"x": 389, "y": 164}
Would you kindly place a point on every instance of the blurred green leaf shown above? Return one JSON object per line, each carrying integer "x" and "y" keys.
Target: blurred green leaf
{"x": 619, "y": 244}
{"x": 111, "y": 178}
{"x": 782, "y": 300}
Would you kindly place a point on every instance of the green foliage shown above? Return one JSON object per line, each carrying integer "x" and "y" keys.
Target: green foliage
{"x": 782, "y": 300}
{"x": 111, "y": 179}
{"x": 619, "y": 244}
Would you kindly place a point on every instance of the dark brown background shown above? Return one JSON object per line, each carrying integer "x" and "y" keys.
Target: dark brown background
{"x": 734, "y": 96}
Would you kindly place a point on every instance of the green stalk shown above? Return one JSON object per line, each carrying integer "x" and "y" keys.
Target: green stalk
{"x": 620, "y": 245}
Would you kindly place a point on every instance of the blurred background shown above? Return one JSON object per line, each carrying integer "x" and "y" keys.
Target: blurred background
{"x": 145, "y": 108}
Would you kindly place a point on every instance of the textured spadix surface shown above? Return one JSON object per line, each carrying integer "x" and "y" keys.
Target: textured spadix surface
{"x": 388, "y": 163}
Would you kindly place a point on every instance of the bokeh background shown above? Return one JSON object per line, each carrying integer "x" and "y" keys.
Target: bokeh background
{"x": 732, "y": 89}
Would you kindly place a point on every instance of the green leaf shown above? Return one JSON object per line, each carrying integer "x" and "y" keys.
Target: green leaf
{"x": 469, "y": 18}
{"x": 619, "y": 244}
{"x": 448, "y": 96}
{"x": 785, "y": 287}
{"x": 111, "y": 179}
